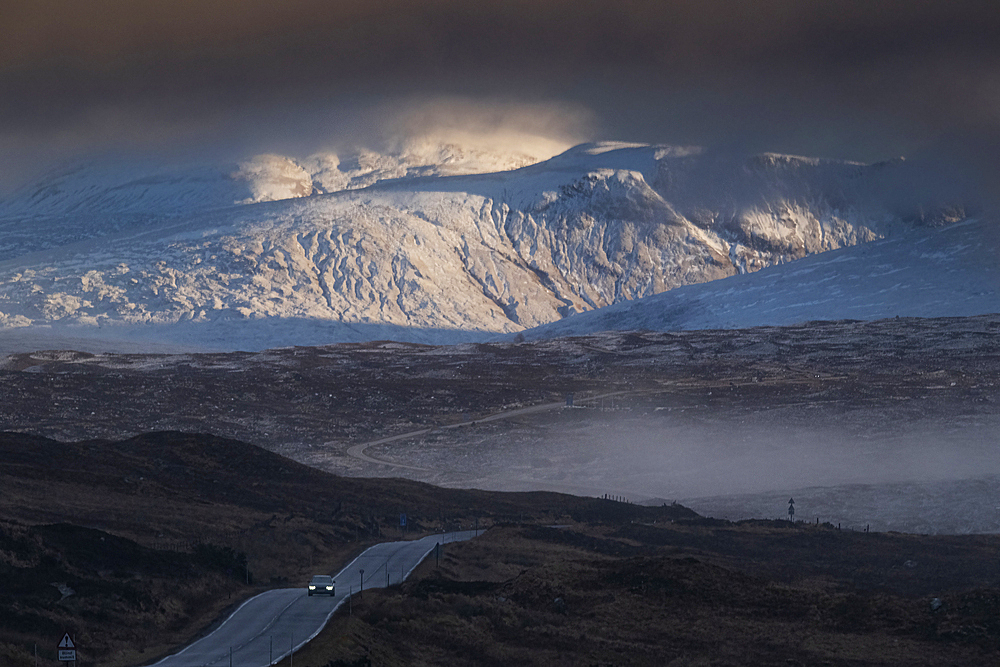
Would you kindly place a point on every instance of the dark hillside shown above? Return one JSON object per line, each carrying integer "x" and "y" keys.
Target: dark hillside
{"x": 680, "y": 594}
{"x": 135, "y": 545}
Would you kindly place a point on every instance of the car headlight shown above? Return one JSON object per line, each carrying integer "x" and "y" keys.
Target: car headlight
{"x": 311, "y": 587}
{"x": 329, "y": 588}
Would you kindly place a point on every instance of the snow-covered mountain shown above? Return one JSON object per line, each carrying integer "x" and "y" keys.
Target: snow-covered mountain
{"x": 97, "y": 198}
{"x": 413, "y": 245}
{"x": 949, "y": 271}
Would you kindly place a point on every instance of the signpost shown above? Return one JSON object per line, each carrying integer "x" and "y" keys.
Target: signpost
{"x": 67, "y": 649}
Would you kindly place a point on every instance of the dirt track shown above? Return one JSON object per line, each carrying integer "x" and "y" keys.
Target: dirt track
{"x": 358, "y": 451}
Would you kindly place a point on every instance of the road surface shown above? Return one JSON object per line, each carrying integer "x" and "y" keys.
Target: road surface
{"x": 268, "y": 627}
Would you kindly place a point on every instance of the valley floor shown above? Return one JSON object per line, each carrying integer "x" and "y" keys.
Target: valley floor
{"x": 890, "y": 424}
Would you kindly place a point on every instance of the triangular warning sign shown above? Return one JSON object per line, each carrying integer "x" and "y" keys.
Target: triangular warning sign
{"x": 66, "y": 642}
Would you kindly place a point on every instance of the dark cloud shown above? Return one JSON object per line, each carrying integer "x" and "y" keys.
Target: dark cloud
{"x": 858, "y": 79}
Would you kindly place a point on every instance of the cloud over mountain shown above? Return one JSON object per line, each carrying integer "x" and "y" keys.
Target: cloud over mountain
{"x": 855, "y": 80}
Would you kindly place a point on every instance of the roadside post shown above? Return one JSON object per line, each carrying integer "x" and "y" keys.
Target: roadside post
{"x": 361, "y": 593}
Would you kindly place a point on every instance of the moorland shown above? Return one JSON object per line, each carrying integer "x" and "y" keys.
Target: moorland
{"x": 135, "y": 510}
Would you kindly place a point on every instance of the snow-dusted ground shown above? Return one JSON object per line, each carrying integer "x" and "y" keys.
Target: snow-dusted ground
{"x": 375, "y": 246}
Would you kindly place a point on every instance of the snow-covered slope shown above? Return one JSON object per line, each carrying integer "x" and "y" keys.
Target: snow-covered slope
{"x": 116, "y": 187}
{"x": 418, "y": 254}
{"x": 98, "y": 198}
{"x": 947, "y": 271}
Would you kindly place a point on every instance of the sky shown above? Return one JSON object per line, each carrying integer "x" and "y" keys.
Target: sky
{"x": 865, "y": 80}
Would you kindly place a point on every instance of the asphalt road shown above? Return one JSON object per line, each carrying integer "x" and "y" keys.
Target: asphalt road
{"x": 268, "y": 627}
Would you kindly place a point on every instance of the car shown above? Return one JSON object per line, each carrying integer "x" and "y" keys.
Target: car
{"x": 322, "y": 584}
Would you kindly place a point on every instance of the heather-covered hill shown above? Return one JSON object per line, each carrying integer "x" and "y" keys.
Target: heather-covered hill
{"x": 134, "y": 546}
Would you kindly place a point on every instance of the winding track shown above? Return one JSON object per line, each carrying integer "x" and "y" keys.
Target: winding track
{"x": 268, "y": 627}
{"x": 358, "y": 451}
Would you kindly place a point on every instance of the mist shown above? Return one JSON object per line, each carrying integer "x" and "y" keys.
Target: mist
{"x": 687, "y": 462}
{"x": 858, "y": 80}
{"x": 916, "y": 475}
{"x": 537, "y": 129}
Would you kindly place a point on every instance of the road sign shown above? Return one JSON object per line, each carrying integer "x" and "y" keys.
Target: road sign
{"x": 67, "y": 649}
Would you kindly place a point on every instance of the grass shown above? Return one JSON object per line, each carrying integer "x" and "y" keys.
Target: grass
{"x": 589, "y": 595}
{"x": 157, "y": 535}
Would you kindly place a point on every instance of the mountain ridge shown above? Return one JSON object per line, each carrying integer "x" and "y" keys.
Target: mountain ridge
{"x": 942, "y": 272}
{"x": 447, "y": 258}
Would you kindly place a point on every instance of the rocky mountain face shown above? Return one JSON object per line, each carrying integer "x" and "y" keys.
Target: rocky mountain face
{"x": 951, "y": 271}
{"x": 415, "y": 245}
